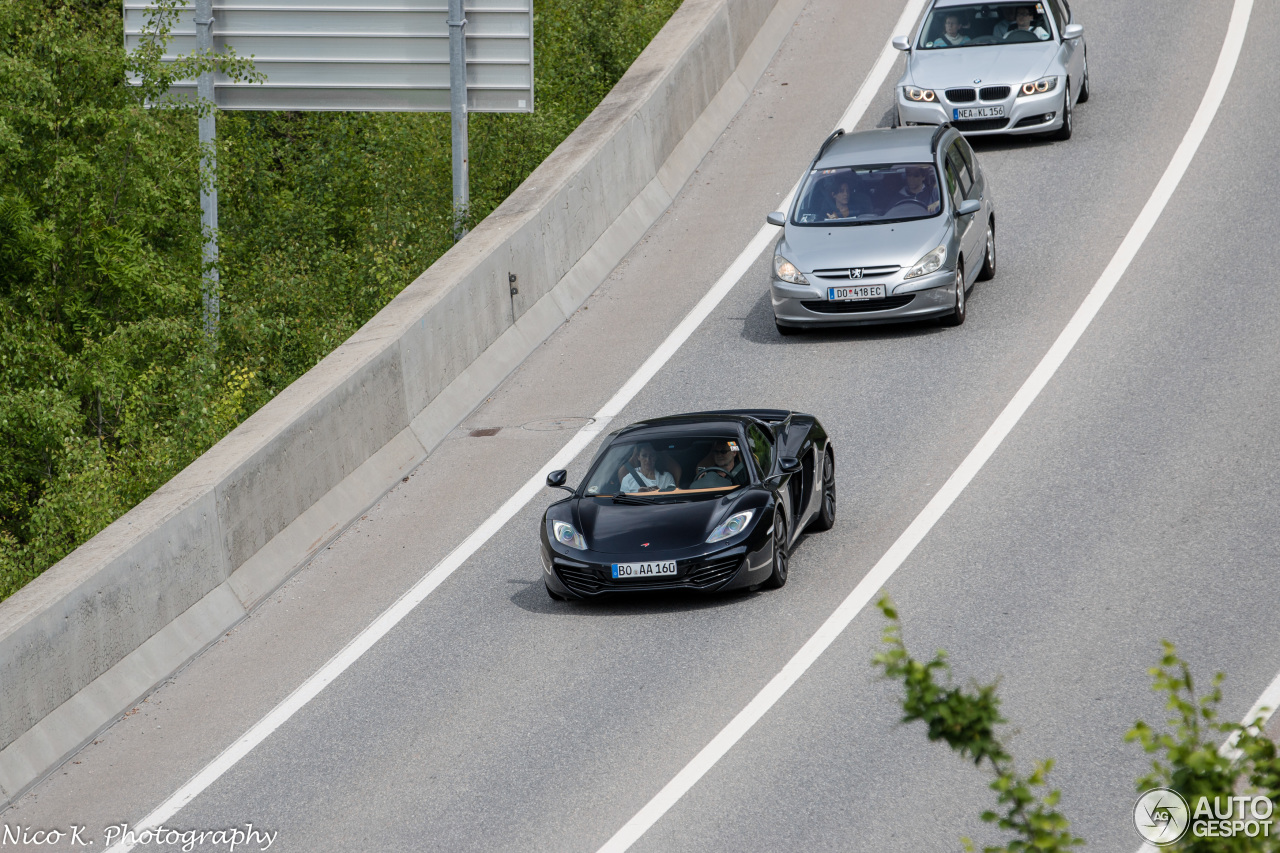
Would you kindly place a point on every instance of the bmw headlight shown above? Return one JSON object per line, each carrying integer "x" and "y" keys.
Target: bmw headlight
{"x": 731, "y": 526}
{"x": 787, "y": 271}
{"x": 566, "y": 535}
{"x": 914, "y": 94}
{"x": 931, "y": 262}
{"x": 1038, "y": 87}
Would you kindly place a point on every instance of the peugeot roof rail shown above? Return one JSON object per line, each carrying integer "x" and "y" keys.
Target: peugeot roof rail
{"x": 836, "y": 134}
{"x": 937, "y": 135}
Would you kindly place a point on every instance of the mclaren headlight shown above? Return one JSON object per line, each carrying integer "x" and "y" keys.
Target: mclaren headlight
{"x": 931, "y": 262}
{"x": 565, "y": 534}
{"x": 787, "y": 271}
{"x": 1038, "y": 87}
{"x": 731, "y": 526}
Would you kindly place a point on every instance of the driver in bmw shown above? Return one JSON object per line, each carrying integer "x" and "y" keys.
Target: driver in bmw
{"x": 918, "y": 189}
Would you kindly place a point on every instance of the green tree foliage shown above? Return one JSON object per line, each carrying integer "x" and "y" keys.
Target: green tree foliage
{"x": 1190, "y": 761}
{"x": 966, "y": 720}
{"x": 107, "y": 388}
{"x": 1189, "y": 758}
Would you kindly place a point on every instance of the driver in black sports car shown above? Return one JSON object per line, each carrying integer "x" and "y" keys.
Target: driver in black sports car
{"x": 720, "y": 468}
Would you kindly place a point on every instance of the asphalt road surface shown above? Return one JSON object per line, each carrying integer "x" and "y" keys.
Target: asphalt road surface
{"x": 1136, "y": 500}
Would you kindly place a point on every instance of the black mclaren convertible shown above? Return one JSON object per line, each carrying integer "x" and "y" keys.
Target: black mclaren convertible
{"x": 706, "y": 501}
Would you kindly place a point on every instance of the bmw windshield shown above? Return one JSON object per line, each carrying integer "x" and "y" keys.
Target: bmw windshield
{"x": 985, "y": 23}
{"x": 859, "y": 195}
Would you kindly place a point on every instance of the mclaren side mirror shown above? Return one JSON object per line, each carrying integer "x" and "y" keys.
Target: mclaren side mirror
{"x": 777, "y": 218}
{"x": 901, "y": 43}
{"x": 789, "y": 464}
{"x": 1072, "y": 31}
{"x": 969, "y": 206}
{"x": 556, "y": 479}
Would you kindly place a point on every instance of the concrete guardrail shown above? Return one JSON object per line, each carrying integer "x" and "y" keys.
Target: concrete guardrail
{"x": 85, "y": 641}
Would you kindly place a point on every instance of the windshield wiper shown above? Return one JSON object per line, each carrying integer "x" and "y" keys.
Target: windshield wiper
{"x": 634, "y": 500}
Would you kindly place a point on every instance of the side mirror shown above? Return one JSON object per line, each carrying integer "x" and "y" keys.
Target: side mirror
{"x": 789, "y": 464}
{"x": 1072, "y": 31}
{"x": 556, "y": 479}
{"x": 969, "y": 206}
{"x": 901, "y": 43}
{"x": 777, "y": 218}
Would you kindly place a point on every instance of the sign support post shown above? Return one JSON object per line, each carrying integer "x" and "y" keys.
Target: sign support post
{"x": 208, "y": 167}
{"x": 458, "y": 109}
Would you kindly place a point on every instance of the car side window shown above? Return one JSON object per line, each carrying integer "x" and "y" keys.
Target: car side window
{"x": 961, "y": 169}
{"x": 761, "y": 449}
{"x": 970, "y": 159}
{"x": 1059, "y": 17}
{"x": 953, "y": 184}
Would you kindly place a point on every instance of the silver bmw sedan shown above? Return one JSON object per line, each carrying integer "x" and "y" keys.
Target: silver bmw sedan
{"x": 888, "y": 225}
{"x": 995, "y": 68}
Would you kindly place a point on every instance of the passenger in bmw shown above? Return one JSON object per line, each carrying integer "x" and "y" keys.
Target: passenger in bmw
{"x": 643, "y": 464}
{"x": 721, "y": 467}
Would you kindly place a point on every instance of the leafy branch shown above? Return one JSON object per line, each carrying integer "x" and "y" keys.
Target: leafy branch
{"x": 1190, "y": 761}
{"x": 966, "y": 720}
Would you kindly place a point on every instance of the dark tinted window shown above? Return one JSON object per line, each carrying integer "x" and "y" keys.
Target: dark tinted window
{"x": 967, "y": 153}
{"x": 961, "y": 169}
{"x": 1059, "y": 14}
{"x": 953, "y": 184}
{"x": 761, "y": 449}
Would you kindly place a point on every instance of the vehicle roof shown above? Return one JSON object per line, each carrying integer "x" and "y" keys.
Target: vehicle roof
{"x": 884, "y": 145}
{"x": 939, "y": 4}
{"x": 703, "y": 423}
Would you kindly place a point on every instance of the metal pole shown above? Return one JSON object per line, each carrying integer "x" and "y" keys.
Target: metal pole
{"x": 458, "y": 108}
{"x": 208, "y": 168}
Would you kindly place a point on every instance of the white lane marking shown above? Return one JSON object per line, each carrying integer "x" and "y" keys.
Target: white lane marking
{"x": 951, "y": 489}
{"x": 1260, "y": 713}
{"x": 442, "y": 570}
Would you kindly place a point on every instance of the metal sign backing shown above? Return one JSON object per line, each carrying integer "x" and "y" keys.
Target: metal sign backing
{"x": 389, "y": 55}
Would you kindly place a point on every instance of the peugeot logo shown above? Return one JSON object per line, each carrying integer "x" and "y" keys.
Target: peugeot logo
{"x": 855, "y": 273}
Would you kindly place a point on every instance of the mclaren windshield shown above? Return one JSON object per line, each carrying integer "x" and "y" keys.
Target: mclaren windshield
{"x": 678, "y": 466}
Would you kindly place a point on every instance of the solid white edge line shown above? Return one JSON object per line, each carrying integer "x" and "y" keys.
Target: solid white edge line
{"x": 955, "y": 484}
{"x": 379, "y": 628}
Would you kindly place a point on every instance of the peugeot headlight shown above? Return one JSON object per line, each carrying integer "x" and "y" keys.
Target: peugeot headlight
{"x": 566, "y": 535}
{"x": 787, "y": 271}
{"x": 931, "y": 262}
{"x": 1038, "y": 87}
{"x": 731, "y": 526}
{"x": 914, "y": 94}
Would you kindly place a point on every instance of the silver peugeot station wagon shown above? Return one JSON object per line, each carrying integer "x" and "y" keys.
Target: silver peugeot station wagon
{"x": 888, "y": 225}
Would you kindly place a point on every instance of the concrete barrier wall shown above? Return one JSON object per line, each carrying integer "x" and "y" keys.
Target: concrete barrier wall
{"x": 89, "y": 638}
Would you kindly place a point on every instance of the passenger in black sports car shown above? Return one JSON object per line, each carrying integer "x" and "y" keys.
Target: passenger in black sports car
{"x": 643, "y": 464}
